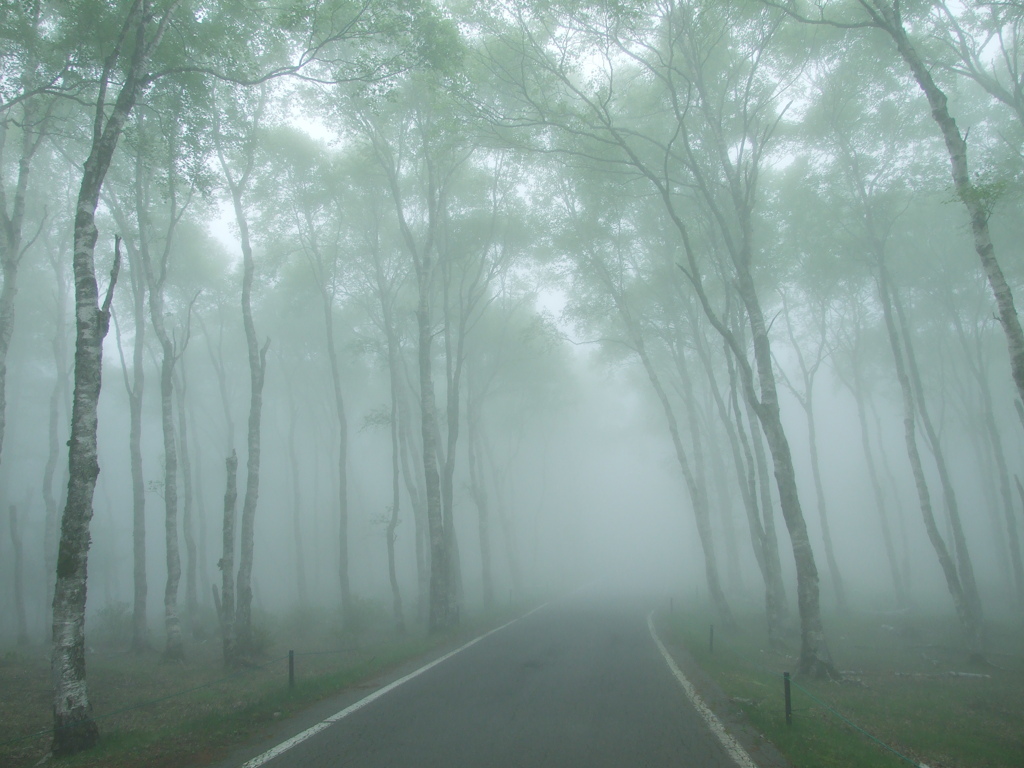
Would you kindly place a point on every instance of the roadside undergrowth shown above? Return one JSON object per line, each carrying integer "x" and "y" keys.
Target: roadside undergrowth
{"x": 907, "y": 682}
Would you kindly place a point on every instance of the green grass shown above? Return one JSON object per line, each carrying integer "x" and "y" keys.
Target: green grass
{"x": 896, "y": 686}
{"x": 156, "y": 714}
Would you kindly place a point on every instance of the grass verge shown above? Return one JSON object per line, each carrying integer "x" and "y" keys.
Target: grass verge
{"x": 906, "y": 682}
{"x": 158, "y": 714}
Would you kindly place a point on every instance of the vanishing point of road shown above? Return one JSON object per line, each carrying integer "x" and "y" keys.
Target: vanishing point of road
{"x": 578, "y": 682}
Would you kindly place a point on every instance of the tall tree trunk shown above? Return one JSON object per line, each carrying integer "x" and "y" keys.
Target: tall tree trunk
{"x": 965, "y": 567}
{"x": 339, "y": 404}
{"x": 226, "y": 601}
{"x": 187, "y": 510}
{"x": 59, "y": 395}
{"x": 73, "y": 727}
{"x": 417, "y": 494}
{"x": 990, "y": 434}
{"x": 806, "y": 399}
{"x": 763, "y": 517}
{"x": 174, "y": 649}
{"x": 293, "y": 465}
{"x": 13, "y": 219}
{"x": 701, "y": 500}
{"x": 396, "y": 595}
{"x": 887, "y": 17}
{"x": 479, "y": 493}
{"x": 972, "y": 629}
{"x": 769, "y": 566}
{"x": 815, "y": 659}
{"x": 441, "y": 616}
{"x": 899, "y": 587}
{"x": 697, "y": 490}
{"x": 140, "y": 624}
{"x": 19, "y": 577}
{"x": 257, "y": 375}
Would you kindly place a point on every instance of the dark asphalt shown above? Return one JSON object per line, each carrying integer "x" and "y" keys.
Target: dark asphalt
{"x": 577, "y": 683}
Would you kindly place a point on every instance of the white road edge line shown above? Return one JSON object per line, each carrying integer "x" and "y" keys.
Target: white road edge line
{"x": 284, "y": 746}
{"x": 731, "y": 745}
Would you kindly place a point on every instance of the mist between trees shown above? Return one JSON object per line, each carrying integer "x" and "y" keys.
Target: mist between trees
{"x": 438, "y": 305}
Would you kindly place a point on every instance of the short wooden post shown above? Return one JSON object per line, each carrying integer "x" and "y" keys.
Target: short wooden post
{"x": 789, "y": 700}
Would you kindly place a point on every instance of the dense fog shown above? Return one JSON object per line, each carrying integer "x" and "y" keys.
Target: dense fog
{"x": 684, "y": 295}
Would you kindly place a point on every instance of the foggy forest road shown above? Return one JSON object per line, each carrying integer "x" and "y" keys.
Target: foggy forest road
{"x": 577, "y": 683}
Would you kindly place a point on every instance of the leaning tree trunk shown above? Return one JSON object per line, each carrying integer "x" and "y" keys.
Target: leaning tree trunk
{"x": 973, "y": 198}
{"x": 767, "y": 563}
{"x": 965, "y": 567}
{"x": 815, "y": 659}
{"x": 899, "y": 586}
{"x": 972, "y": 629}
{"x": 697, "y": 490}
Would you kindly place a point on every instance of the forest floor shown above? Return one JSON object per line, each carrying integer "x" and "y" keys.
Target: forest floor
{"x": 909, "y": 694}
{"x": 155, "y": 713}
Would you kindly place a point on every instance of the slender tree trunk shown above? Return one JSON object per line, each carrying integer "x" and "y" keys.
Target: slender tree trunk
{"x": 19, "y": 577}
{"x": 972, "y": 198}
{"x": 396, "y": 595}
{"x": 59, "y": 395}
{"x": 440, "y": 618}
{"x": 990, "y": 434}
{"x": 140, "y": 624}
{"x": 413, "y": 486}
{"x": 73, "y": 728}
{"x": 11, "y": 223}
{"x": 174, "y": 649}
{"x": 700, "y": 486}
{"x": 339, "y": 403}
{"x": 257, "y": 375}
{"x": 965, "y": 567}
{"x": 697, "y": 490}
{"x": 479, "y": 493}
{"x": 226, "y": 602}
{"x": 819, "y": 490}
{"x": 924, "y": 497}
{"x": 293, "y": 464}
{"x": 187, "y": 510}
{"x": 777, "y": 609}
{"x": 815, "y": 659}
{"x": 899, "y": 587}
{"x": 203, "y": 576}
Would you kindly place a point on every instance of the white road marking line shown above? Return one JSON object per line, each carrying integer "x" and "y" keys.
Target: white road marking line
{"x": 284, "y": 746}
{"x": 731, "y": 745}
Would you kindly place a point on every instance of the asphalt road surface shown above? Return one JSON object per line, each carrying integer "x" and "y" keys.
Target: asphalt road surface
{"x": 579, "y": 682}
